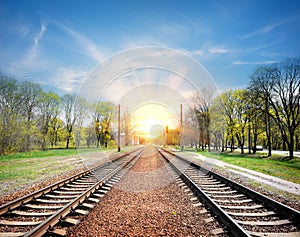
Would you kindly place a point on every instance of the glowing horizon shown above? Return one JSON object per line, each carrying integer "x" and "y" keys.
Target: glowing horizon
{"x": 152, "y": 114}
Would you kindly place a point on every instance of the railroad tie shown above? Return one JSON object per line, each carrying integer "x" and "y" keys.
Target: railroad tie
{"x": 218, "y": 231}
{"x": 106, "y": 187}
{"x": 59, "y": 232}
{"x": 264, "y": 223}
{"x": 12, "y": 234}
{"x": 264, "y": 234}
{"x": 252, "y": 214}
{"x": 198, "y": 204}
{"x": 23, "y": 213}
{"x": 93, "y": 200}
{"x": 43, "y": 207}
{"x": 208, "y": 220}
{"x": 81, "y": 212}
{"x": 98, "y": 195}
{"x": 71, "y": 221}
{"x": 87, "y": 205}
{"x": 60, "y": 196}
{"x": 67, "y": 192}
{"x": 242, "y": 207}
{"x": 19, "y": 223}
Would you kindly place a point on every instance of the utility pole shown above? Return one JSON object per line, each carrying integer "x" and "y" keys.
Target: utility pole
{"x": 119, "y": 129}
{"x": 181, "y": 145}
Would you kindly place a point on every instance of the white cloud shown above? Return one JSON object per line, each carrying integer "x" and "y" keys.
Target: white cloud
{"x": 90, "y": 47}
{"x": 37, "y": 39}
{"x": 198, "y": 52}
{"x": 192, "y": 53}
{"x": 253, "y": 62}
{"x": 268, "y": 28}
{"x": 207, "y": 50}
{"x": 31, "y": 60}
{"x": 218, "y": 50}
{"x": 68, "y": 79}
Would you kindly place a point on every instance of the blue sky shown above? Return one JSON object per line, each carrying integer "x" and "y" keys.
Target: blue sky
{"x": 58, "y": 42}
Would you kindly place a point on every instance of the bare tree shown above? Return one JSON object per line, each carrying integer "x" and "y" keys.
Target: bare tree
{"x": 82, "y": 107}
{"x": 279, "y": 85}
{"x": 286, "y": 99}
{"x": 258, "y": 119}
{"x": 202, "y": 101}
{"x": 127, "y": 122}
{"x": 261, "y": 86}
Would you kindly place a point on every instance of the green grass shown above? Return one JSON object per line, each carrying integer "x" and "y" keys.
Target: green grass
{"x": 23, "y": 169}
{"x": 288, "y": 170}
{"x": 49, "y": 153}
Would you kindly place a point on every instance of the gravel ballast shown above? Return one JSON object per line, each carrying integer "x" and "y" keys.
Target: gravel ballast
{"x": 146, "y": 202}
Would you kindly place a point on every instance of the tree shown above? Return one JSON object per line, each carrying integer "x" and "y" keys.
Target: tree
{"x": 261, "y": 87}
{"x": 55, "y": 130}
{"x": 72, "y": 110}
{"x": 285, "y": 99}
{"x": 190, "y": 133}
{"x": 90, "y": 135}
{"x": 127, "y": 122}
{"x": 218, "y": 123}
{"x": 256, "y": 119}
{"x": 279, "y": 85}
{"x": 31, "y": 93}
{"x": 82, "y": 108}
{"x": 48, "y": 113}
{"x": 241, "y": 116}
{"x": 202, "y": 101}
{"x": 11, "y": 122}
{"x": 228, "y": 106}
{"x": 102, "y": 115}
{"x": 235, "y": 109}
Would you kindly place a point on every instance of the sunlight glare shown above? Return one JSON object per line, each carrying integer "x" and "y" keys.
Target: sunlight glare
{"x": 150, "y": 115}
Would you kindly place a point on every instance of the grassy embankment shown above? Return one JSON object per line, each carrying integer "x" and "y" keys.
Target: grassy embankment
{"x": 22, "y": 169}
{"x": 287, "y": 170}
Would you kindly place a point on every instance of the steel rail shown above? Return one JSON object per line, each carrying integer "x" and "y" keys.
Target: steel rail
{"x": 283, "y": 210}
{"x": 48, "y": 224}
{"x": 7, "y": 207}
{"x": 229, "y": 222}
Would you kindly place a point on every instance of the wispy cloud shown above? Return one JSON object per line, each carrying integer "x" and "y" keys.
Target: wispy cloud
{"x": 91, "y": 49}
{"x": 209, "y": 50}
{"x": 268, "y": 28}
{"x": 30, "y": 60}
{"x": 253, "y": 62}
{"x": 68, "y": 79}
{"x": 218, "y": 50}
{"x": 37, "y": 38}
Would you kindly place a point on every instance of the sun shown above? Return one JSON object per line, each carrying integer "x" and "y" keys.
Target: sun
{"x": 153, "y": 115}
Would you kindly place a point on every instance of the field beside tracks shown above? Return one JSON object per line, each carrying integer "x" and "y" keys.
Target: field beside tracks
{"x": 287, "y": 170}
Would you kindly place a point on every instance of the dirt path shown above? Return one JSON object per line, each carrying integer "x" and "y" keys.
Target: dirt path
{"x": 272, "y": 181}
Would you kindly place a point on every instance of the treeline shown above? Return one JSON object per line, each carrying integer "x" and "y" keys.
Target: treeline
{"x": 266, "y": 113}
{"x": 31, "y": 118}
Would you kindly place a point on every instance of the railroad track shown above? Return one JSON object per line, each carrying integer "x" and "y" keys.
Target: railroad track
{"x": 40, "y": 213}
{"x": 242, "y": 211}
